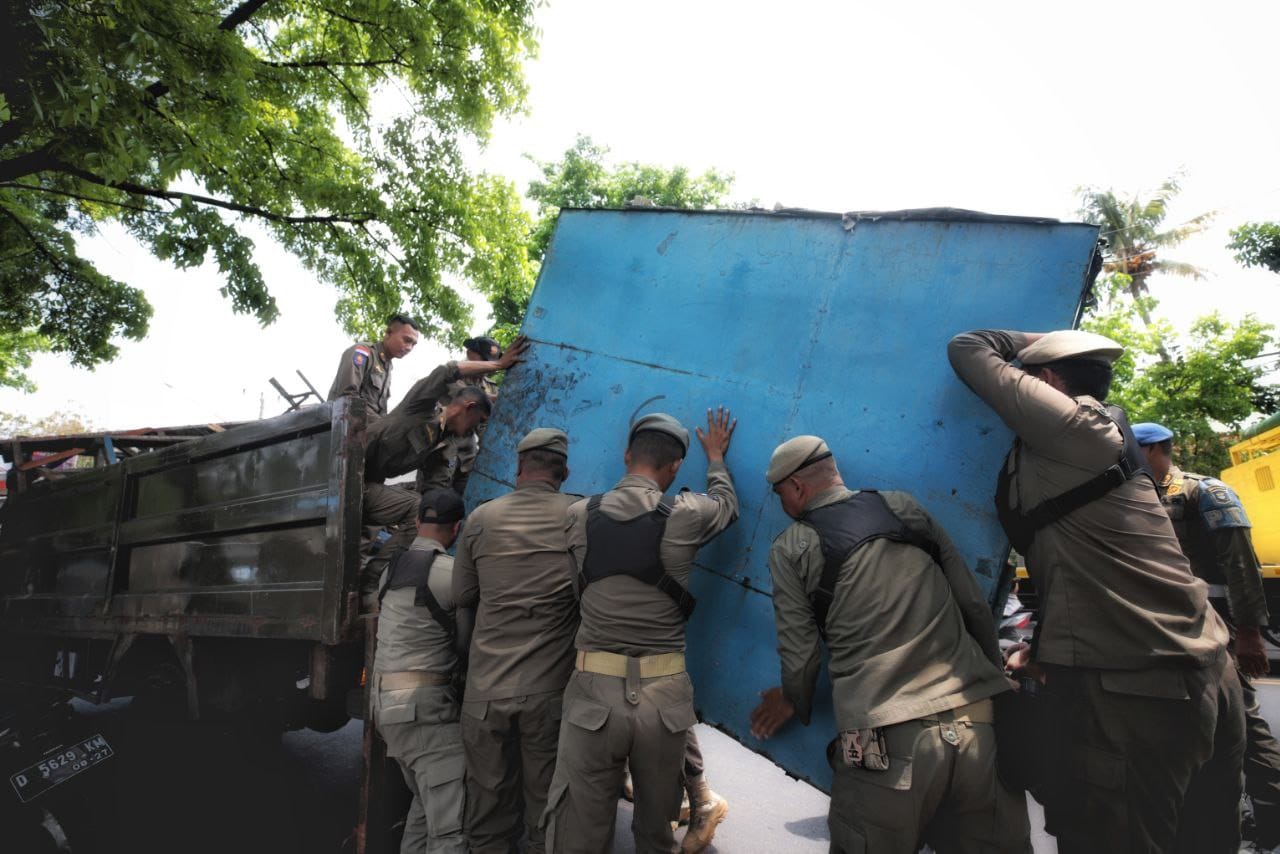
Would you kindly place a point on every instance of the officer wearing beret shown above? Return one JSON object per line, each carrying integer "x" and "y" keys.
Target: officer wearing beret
{"x": 513, "y": 565}
{"x": 629, "y": 697}
{"x": 914, "y": 663}
{"x": 1213, "y": 530}
{"x": 1151, "y": 724}
{"x": 415, "y": 704}
{"x": 365, "y": 369}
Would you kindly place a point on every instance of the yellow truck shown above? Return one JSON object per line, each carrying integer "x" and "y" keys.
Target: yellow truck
{"x": 1254, "y": 472}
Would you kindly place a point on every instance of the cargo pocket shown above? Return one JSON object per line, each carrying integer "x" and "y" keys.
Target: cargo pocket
{"x": 587, "y": 715}
{"x": 476, "y": 709}
{"x": 1099, "y": 768}
{"x": 404, "y": 713}
{"x": 446, "y": 793}
{"x": 678, "y": 717}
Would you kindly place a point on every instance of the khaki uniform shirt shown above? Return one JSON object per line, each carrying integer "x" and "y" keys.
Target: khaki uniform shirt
{"x": 907, "y": 637}
{"x": 426, "y": 392}
{"x": 624, "y": 615}
{"x": 365, "y": 371}
{"x": 399, "y": 444}
{"x": 1222, "y": 555}
{"x": 513, "y": 562}
{"x": 1116, "y": 591}
{"x": 409, "y": 638}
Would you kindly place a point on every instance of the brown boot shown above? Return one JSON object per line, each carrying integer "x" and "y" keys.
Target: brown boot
{"x": 708, "y": 810}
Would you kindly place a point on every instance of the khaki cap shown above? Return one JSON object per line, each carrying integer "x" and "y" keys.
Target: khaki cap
{"x": 1070, "y": 344}
{"x": 793, "y": 455}
{"x": 545, "y": 439}
{"x": 663, "y": 423}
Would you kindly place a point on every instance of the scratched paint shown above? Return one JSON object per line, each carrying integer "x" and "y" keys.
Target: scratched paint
{"x": 801, "y": 325}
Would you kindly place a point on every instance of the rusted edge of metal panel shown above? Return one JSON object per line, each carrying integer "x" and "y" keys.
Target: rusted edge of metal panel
{"x": 906, "y": 215}
{"x": 340, "y": 608}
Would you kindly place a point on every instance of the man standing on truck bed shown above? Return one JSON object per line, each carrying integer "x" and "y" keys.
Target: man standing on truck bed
{"x": 513, "y": 563}
{"x": 629, "y": 696}
{"x": 1151, "y": 734}
{"x": 415, "y": 704}
{"x": 914, "y": 664}
{"x": 1213, "y": 530}
{"x": 365, "y": 369}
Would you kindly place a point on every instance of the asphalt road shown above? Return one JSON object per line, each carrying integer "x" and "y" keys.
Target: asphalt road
{"x": 197, "y": 789}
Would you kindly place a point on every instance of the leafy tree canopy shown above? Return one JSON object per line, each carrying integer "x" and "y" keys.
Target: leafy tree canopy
{"x": 185, "y": 119}
{"x": 583, "y": 178}
{"x": 1257, "y": 244}
{"x": 60, "y": 423}
{"x": 1214, "y": 378}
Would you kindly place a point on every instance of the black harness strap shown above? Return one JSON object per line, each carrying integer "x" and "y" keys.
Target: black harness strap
{"x": 412, "y": 568}
{"x": 844, "y": 527}
{"x": 631, "y": 547}
{"x": 1021, "y": 527}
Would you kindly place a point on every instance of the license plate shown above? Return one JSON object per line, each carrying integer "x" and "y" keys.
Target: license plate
{"x": 30, "y": 783}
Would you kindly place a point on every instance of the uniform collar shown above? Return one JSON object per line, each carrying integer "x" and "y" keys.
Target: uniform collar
{"x": 535, "y": 486}
{"x": 381, "y": 353}
{"x": 427, "y": 544}
{"x": 828, "y": 496}
{"x": 637, "y": 481}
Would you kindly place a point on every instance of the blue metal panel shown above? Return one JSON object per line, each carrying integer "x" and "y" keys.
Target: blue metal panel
{"x": 802, "y": 324}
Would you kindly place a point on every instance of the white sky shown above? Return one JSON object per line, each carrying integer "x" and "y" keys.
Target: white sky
{"x": 1002, "y": 107}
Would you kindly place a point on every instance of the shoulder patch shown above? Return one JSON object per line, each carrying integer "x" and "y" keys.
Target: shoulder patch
{"x": 360, "y": 355}
{"x": 1219, "y": 506}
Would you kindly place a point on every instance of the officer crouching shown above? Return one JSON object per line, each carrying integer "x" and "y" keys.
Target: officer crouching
{"x": 416, "y": 706}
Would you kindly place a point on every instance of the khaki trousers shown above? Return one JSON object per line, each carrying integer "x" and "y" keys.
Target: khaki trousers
{"x": 511, "y": 755}
{"x": 941, "y": 788}
{"x": 1141, "y": 773}
{"x": 420, "y": 726}
{"x": 608, "y": 722}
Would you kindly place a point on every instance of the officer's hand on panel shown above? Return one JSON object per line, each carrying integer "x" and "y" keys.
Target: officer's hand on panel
{"x": 715, "y": 442}
{"x": 774, "y": 711}
{"x": 1251, "y": 653}
{"x": 515, "y": 353}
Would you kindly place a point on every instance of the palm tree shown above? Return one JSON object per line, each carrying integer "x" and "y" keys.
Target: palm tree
{"x": 1132, "y": 229}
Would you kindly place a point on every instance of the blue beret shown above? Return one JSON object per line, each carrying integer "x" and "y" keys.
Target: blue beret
{"x": 1149, "y": 432}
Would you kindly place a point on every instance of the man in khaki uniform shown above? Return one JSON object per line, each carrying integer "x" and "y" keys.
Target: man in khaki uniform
{"x": 415, "y": 704}
{"x": 365, "y": 369}
{"x": 1149, "y": 718}
{"x": 1213, "y": 530}
{"x": 399, "y": 444}
{"x": 914, "y": 663}
{"x": 513, "y": 563}
{"x": 450, "y": 469}
{"x": 629, "y": 696}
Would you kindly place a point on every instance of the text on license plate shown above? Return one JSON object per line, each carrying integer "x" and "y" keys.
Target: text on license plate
{"x": 60, "y": 766}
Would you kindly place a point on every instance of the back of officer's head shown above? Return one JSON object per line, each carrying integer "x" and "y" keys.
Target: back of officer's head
{"x": 542, "y": 464}
{"x": 654, "y": 449}
{"x": 466, "y": 410}
{"x": 440, "y": 513}
{"x": 1080, "y": 376}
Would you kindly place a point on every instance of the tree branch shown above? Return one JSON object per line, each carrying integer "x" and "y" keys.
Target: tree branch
{"x": 26, "y": 164}
{"x": 17, "y": 185}
{"x": 328, "y": 63}
{"x": 172, "y": 195}
{"x": 241, "y": 13}
{"x": 37, "y": 242}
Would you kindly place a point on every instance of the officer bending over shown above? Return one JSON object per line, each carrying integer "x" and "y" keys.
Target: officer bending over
{"x": 914, "y": 663}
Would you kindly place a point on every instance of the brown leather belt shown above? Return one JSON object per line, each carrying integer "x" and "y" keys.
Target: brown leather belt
{"x": 612, "y": 664}
{"x": 981, "y": 712}
{"x": 411, "y": 679}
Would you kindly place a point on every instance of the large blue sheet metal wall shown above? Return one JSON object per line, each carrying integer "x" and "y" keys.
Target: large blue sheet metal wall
{"x": 802, "y": 323}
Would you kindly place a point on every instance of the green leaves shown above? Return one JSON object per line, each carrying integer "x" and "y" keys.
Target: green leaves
{"x": 183, "y": 125}
{"x": 1257, "y": 244}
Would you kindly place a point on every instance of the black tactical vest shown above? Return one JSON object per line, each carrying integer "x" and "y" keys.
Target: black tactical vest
{"x": 631, "y": 547}
{"x": 412, "y": 568}
{"x": 844, "y": 527}
{"x": 1021, "y": 527}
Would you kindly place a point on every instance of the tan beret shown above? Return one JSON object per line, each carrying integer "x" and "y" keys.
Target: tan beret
{"x": 663, "y": 423}
{"x": 1070, "y": 344}
{"x": 545, "y": 439}
{"x": 793, "y": 455}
